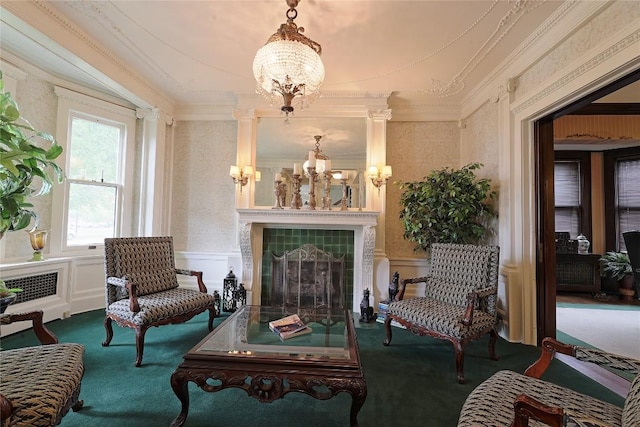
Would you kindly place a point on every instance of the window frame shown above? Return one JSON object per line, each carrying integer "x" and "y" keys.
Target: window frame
{"x": 70, "y": 105}
{"x": 610, "y": 159}
{"x": 584, "y": 211}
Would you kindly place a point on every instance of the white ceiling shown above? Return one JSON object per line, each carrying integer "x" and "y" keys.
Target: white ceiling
{"x": 201, "y": 52}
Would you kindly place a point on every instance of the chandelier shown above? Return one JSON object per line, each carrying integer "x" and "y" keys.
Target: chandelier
{"x": 317, "y": 159}
{"x": 288, "y": 66}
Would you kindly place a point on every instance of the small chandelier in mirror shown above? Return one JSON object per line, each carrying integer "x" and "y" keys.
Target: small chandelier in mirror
{"x": 288, "y": 66}
{"x": 317, "y": 159}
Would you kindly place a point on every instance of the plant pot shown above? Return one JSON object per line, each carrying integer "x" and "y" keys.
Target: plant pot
{"x": 625, "y": 287}
{"x": 6, "y": 301}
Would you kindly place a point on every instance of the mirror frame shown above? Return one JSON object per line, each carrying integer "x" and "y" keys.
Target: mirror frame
{"x": 280, "y": 145}
{"x": 372, "y": 109}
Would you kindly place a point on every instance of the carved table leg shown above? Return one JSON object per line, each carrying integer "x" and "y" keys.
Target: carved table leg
{"x": 179, "y": 384}
{"x": 358, "y": 396}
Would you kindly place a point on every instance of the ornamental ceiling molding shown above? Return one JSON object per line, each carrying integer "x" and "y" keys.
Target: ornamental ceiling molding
{"x": 26, "y": 10}
{"x": 559, "y": 26}
{"x": 598, "y": 58}
{"x": 95, "y": 11}
{"x": 519, "y": 9}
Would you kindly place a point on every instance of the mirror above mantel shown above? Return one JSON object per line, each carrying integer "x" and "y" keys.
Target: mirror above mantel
{"x": 282, "y": 143}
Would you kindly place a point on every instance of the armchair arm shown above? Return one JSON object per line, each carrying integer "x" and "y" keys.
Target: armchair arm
{"x": 467, "y": 319}
{"x": 198, "y": 274}
{"x": 124, "y": 283}
{"x": 473, "y": 299}
{"x": 6, "y": 408}
{"x": 593, "y": 355}
{"x": 406, "y": 282}
{"x": 526, "y": 408}
{"x": 549, "y": 348}
{"x": 45, "y": 336}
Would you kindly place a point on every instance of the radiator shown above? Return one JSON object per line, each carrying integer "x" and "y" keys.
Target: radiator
{"x": 34, "y": 287}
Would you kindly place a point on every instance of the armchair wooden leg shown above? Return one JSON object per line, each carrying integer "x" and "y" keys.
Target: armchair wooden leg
{"x": 387, "y": 328}
{"x": 109, "y": 328}
{"x": 493, "y": 337}
{"x": 140, "y": 344}
{"x": 459, "y": 349}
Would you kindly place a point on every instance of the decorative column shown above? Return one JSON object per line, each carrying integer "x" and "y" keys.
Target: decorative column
{"x": 152, "y": 174}
{"x": 245, "y": 155}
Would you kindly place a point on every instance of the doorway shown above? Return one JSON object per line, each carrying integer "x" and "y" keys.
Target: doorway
{"x": 545, "y": 219}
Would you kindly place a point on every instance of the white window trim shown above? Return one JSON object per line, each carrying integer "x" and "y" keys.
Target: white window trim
{"x": 68, "y": 102}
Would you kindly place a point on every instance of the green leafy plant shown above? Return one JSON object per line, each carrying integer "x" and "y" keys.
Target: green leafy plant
{"x": 448, "y": 206}
{"x": 25, "y": 154}
{"x": 615, "y": 264}
{"x": 5, "y": 292}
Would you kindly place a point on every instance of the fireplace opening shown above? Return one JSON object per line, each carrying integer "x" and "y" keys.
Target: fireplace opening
{"x": 307, "y": 277}
{"x": 278, "y": 241}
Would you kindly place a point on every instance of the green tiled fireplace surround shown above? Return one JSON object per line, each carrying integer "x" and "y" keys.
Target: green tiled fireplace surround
{"x": 280, "y": 240}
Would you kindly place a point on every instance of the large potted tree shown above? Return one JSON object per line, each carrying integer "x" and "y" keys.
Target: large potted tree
{"x": 448, "y": 206}
{"x": 27, "y": 165}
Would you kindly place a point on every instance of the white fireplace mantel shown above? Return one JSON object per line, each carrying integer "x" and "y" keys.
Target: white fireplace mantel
{"x": 252, "y": 223}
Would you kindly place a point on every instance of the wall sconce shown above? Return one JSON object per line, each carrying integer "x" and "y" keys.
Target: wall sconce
{"x": 379, "y": 177}
{"x": 240, "y": 175}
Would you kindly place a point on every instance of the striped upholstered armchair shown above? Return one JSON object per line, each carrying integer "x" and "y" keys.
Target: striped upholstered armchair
{"x": 460, "y": 300}
{"x": 142, "y": 288}
{"x": 511, "y": 399}
{"x": 39, "y": 384}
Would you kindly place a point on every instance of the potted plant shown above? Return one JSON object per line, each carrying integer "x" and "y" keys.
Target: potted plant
{"x": 7, "y": 295}
{"x": 27, "y": 166}
{"x": 448, "y": 206}
{"x": 618, "y": 266}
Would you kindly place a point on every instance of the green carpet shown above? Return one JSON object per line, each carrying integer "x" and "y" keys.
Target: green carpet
{"x": 412, "y": 382}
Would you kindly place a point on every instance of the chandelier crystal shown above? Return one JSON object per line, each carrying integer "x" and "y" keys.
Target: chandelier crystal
{"x": 288, "y": 67}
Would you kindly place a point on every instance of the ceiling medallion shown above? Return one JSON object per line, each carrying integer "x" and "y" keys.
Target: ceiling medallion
{"x": 288, "y": 67}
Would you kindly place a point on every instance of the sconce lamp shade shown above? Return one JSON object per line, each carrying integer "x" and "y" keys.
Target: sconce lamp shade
{"x": 379, "y": 176}
{"x": 240, "y": 175}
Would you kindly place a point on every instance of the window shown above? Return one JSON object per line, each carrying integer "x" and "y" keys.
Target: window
{"x": 627, "y": 197}
{"x": 572, "y": 193}
{"x": 98, "y": 143}
{"x": 622, "y": 198}
{"x": 567, "y": 197}
{"x": 92, "y": 179}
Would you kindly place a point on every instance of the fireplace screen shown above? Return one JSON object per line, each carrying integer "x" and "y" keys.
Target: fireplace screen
{"x": 307, "y": 277}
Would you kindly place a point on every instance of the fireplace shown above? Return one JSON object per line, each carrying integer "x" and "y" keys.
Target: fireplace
{"x": 305, "y": 278}
{"x": 351, "y": 233}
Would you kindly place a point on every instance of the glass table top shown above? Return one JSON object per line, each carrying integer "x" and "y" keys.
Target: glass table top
{"x": 246, "y": 334}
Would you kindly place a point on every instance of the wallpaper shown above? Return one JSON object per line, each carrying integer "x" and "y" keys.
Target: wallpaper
{"x": 413, "y": 150}
{"x": 38, "y": 104}
{"x": 479, "y": 143}
{"x": 203, "y": 204}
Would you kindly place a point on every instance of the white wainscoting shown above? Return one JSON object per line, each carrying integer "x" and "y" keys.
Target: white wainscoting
{"x": 214, "y": 267}
{"x": 80, "y": 286}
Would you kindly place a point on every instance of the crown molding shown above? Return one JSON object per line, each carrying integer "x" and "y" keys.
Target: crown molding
{"x": 566, "y": 20}
{"x": 41, "y": 22}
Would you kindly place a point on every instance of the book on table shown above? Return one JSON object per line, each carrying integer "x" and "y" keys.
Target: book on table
{"x": 289, "y": 326}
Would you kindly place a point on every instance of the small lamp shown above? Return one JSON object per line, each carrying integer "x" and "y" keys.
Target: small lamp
{"x": 379, "y": 177}
{"x": 240, "y": 175}
{"x": 229, "y": 292}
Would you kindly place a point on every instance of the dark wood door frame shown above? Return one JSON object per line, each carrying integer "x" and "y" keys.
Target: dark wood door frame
{"x": 544, "y": 191}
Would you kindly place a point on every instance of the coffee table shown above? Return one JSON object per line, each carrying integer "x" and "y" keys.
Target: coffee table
{"x": 243, "y": 353}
